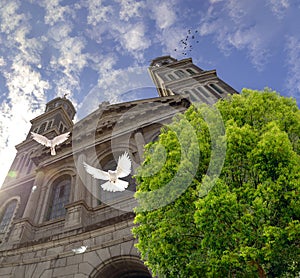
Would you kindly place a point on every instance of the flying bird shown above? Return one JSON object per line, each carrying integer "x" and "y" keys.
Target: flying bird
{"x": 50, "y": 142}
{"x": 113, "y": 183}
{"x": 187, "y": 42}
{"x": 79, "y": 250}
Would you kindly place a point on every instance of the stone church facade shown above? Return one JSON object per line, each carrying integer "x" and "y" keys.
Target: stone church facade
{"x": 50, "y": 206}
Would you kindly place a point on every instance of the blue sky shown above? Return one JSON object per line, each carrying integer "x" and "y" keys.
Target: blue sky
{"x": 96, "y": 50}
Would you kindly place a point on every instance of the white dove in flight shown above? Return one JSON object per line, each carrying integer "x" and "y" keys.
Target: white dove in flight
{"x": 50, "y": 142}
{"x": 113, "y": 182}
{"x": 79, "y": 250}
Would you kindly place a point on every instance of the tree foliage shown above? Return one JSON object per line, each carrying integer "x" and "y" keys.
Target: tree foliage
{"x": 248, "y": 224}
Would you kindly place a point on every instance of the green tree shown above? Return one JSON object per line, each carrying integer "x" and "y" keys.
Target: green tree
{"x": 243, "y": 223}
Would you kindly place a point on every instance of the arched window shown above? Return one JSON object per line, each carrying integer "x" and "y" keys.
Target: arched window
{"x": 208, "y": 97}
{"x": 57, "y": 104}
{"x": 180, "y": 73}
{"x": 190, "y": 71}
{"x": 42, "y": 127}
{"x": 171, "y": 77}
{"x": 7, "y": 215}
{"x": 203, "y": 91}
{"x": 62, "y": 127}
{"x": 50, "y": 123}
{"x": 216, "y": 88}
{"x": 30, "y": 164}
{"x": 59, "y": 197}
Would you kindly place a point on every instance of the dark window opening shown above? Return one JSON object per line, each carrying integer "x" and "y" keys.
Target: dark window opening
{"x": 180, "y": 73}
{"x": 216, "y": 88}
{"x": 59, "y": 198}
{"x": 190, "y": 71}
{"x": 7, "y": 215}
{"x": 42, "y": 128}
{"x": 171, "y": 76}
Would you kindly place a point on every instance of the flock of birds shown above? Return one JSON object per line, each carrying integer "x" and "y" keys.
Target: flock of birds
{"x": 186, "y": 43}
{"x": 112, "y": 177}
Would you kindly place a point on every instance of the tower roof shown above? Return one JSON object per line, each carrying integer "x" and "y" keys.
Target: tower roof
{"x": 64, "y": 102}
{"x": 163, "y": 60}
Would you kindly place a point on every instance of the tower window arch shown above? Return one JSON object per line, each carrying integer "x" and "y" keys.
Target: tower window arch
{"x": 203, "y": 91}
{"x": 59, "y": 197}
{"x": 180, "y": 73}
{"x": 62, "y": 127}
{"x": 7, "y": 215}
{"x": 42, "y": 127}
{"x": 49, "y": 125}
{"x": 171, "y": 77}
{"x": 190, "y": 71}
{"x": 216, "y": 88}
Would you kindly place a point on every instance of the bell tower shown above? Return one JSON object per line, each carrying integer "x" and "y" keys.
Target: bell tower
{"x": 173, "y": 77}
{"x": 56, "y": 119}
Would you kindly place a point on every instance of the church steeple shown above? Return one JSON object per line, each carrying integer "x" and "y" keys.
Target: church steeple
{"x": 173, "y": 77}
{"x": 57, "y": 119}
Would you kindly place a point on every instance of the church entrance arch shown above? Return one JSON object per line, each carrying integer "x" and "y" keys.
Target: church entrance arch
{"x": 122, "y": 267}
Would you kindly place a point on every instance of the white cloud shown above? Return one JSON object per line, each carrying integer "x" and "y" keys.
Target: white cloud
{"x": 29, "y": 48}
{"x": 278, "y": 7}
{"x": 25, "y": 88}
{"x": 238, "y": 10}
{"x": 60, "y": 31}
{"x": 9, "y": 16}
{"x": 163, "y": 13}
{"x": 232, "y": 27}
{"x": 112, "y": 85}
{"x": 54, "y": 11}
{"x": 26, "y": 100}
{"x": 22, "y": 81}
{"x": 130, "y": 9}
{"x": 134, "y": 38}
{"x": 120, "y": 81}
{"x": 70, "y": 60}
{"x": 2, "y": 62}
{"x": 103, "y": 64}
{"x": 98, "y": 12}
{"x": 250, "y": 40}
{"x": 169, "y": 39}
{"x": 293, "y": 63}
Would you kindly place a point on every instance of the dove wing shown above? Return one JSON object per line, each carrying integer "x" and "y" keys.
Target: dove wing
{"x": 60, "y": 138}
{"x": 96, "y": 173}
{"x": 41, "y": 139}
{"x": 121, "y": 184}
{"x": 124, "y": 166}
{"x": 108, "y": 186}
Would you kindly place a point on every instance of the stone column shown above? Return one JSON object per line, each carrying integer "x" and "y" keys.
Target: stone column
{"x": 43, "y": 202}
{"x": 79, "y": 192}
{"x": 77, "y": 210}
{"x": 31, "y": 206}
{"x": 140, "y": 143}
{"x": 23, "y": 229}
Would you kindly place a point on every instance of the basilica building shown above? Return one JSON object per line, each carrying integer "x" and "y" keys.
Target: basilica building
{"x": 55, "y": 219}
